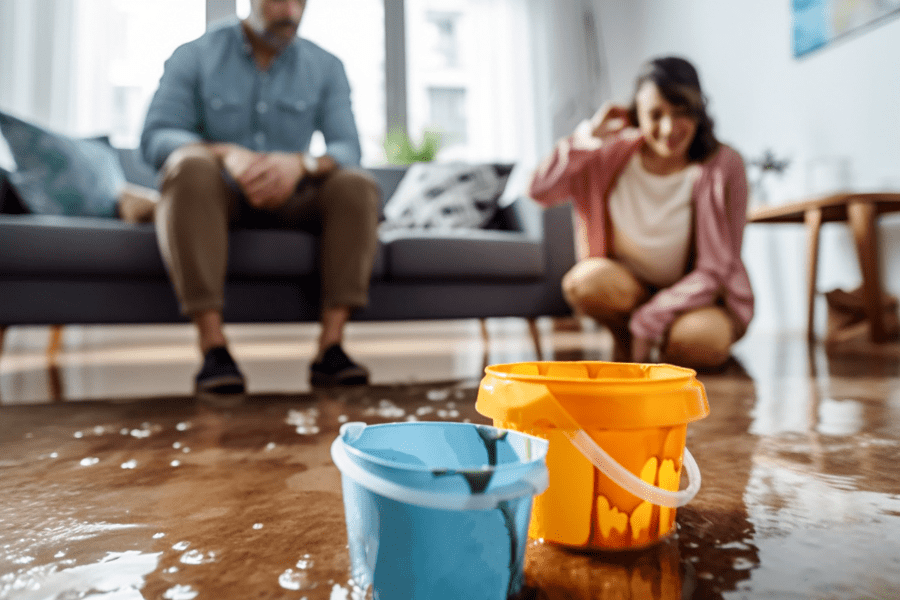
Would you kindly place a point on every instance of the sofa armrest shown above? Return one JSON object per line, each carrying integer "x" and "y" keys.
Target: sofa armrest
{"x": 559, "y": 240}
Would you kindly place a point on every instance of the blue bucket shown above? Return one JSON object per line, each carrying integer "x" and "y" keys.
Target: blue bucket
{"x": 438, "y": 510}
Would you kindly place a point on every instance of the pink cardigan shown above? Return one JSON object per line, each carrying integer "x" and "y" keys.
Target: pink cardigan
{"x": 585, "y": 169}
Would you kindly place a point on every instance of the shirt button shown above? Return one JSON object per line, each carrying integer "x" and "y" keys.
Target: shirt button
{"x": 262, "y": 107}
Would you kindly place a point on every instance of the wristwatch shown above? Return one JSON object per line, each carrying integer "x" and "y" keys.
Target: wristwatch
{"x": 310, "y": 163}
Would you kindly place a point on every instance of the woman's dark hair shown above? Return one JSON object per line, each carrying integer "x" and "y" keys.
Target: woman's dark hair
{"x": 678, "y": 82}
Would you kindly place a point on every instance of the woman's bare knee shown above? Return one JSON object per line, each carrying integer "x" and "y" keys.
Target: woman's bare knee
{"x": 700, "y": 339}
{"x": 601, "y": 287}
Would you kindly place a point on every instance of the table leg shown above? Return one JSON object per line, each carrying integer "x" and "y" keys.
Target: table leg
{"x": 813, "y": 220}
{"x": 861, "y": 216}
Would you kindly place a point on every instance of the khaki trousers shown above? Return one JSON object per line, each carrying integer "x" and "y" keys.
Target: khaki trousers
{"x": 197, "y": 206}
{"x": 607, "y": 291}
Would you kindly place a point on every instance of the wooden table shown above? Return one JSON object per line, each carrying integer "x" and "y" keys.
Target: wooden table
{"x": 860, "y": 211}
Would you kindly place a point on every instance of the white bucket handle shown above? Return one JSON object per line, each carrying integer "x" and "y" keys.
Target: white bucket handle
{"x": 631, "y": 483}
{"x": 535, "y": 482}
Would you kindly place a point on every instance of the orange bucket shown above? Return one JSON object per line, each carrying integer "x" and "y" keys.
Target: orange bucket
{"x": 617, "y": 445}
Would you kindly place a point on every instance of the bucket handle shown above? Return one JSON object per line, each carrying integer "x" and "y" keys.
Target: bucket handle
{"x": 630, "y": 482}
{"x": 535, "y": 482}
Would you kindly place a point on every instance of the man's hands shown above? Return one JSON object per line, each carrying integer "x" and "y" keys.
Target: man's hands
{"x": 267, "y": 179}
{"x": 610, "y": 119}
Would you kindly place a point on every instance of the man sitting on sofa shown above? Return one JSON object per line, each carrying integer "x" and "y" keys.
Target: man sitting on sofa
{"x": 230, "y": 126}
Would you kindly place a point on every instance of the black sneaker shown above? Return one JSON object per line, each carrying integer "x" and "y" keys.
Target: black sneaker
{"x": 336, "y": 368}
{"x": 219, "y": 374}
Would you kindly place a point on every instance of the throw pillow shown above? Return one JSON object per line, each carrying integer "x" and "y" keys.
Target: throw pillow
{"x": 60, "y": 175}
{"x": 446, "y": 196}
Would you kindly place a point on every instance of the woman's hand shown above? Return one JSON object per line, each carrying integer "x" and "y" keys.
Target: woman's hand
{"x": 610, "y": 119}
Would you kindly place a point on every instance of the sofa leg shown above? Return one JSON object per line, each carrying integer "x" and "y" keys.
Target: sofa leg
{"x": 535, "y": 337}
{"x": 54, "y": 346}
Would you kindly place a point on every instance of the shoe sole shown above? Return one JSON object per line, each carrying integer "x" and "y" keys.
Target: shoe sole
{"x": 224, "y": 384}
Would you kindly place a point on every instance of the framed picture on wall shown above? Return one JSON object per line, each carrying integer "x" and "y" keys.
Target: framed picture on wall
{"x": 819, "y": 22}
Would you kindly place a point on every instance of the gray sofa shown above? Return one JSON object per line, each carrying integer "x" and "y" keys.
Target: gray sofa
{"x": 72, "y": 270}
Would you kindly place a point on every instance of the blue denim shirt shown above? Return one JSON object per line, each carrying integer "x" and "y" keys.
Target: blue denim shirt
{"x": 212, "y": 91}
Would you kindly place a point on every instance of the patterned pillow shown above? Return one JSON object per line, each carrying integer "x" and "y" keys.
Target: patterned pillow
{"x": 59, "y": 175}
{"x": 446, "y": 196}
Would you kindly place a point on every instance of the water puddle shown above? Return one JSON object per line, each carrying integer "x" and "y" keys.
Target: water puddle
{"x": 119, "y": 575}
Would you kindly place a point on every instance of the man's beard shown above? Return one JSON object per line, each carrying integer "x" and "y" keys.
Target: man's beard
{"x": 277, "y": 36}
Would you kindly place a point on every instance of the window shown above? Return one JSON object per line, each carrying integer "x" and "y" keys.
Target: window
{"x": 469, "y": 77}
{"x": 443, "y": 42}
{"x": 464, "y": 67}
{"x": 448, "y": 114}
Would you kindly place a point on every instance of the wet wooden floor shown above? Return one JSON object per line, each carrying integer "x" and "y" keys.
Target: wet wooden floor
{"x": 116, "y": 484}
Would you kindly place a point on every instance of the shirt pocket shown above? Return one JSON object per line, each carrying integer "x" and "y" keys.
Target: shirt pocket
{"x": 227, "y": 118}
{"x": 295, "y": 117}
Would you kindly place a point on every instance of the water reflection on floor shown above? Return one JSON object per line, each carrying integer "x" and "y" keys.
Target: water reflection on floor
{"x": 156, "y": 495}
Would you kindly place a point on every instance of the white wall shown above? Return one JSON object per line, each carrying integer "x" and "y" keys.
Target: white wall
{"x": 841, "y": 102}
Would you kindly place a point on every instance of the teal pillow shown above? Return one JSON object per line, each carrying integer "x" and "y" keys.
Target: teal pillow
{"x": 60, "y": 175}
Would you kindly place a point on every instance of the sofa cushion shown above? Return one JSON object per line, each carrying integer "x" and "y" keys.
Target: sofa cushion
{"x": 47, "y": 245}
{"x": 446, "y": 196}
{"x": 463, "y": 254}
{"x": 60, "y": 175}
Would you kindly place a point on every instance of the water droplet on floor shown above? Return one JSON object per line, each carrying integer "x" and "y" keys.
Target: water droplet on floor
{"x": 181, "y": 546}
{"x": 159, "y": 535}
{"x": 304, "y": 421}
{"x": 343, "y": 418}
{"x": 180, "y": 592}
{"x": 87, "y": 462}
{"x": 437, "y": 395}
{"x": 59, "y": 554}
{"x": 176, "y": 445}
{"x": 270, "y": 446}
{"x": 131, "y": 464}
{"x": 195, "y": 557}
{"x": 54, "y": 455}
{"x": 295, "y": 580}
{"x": 175, "y": 463}
{"x": 385, "y": 409}
{"x": 184, "y": 426}
{"x": 257, "y": 526}
{"x": 78, "y": 434}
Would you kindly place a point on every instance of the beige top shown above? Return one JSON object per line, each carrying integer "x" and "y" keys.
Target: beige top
{"x": 651, "y": 217}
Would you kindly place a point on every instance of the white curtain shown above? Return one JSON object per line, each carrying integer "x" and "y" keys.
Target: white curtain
{"x": 36, "y": 59}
